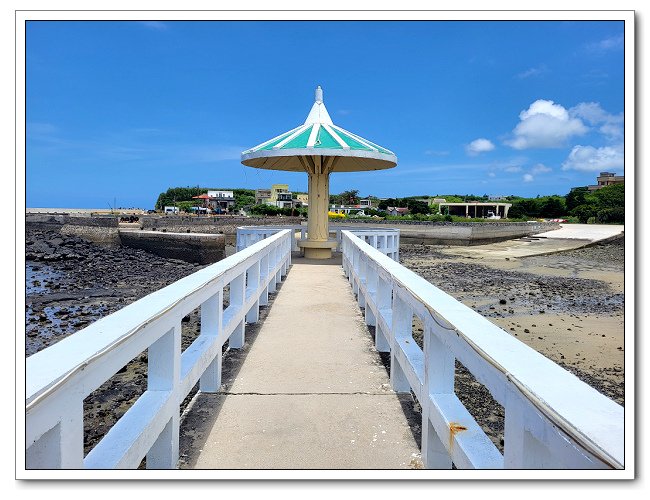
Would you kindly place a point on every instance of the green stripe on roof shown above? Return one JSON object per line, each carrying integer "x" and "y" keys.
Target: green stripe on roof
{"x": 345, "y": 135}
{"x": 278, "y": 140}
{"x": 352, "y": 142}
{"x": 325, "y": 140}
{"x": 300, "y": 141}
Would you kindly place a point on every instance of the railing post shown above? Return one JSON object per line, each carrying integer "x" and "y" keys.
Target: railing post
{"x": 439, "y": 371}
{"x": 384, "y": 303}
{"x": 402, "y": 327}
{"x": 253, "y": 283}
{"x": 62, "y": 446}
{"x": 363, "y": 264}
{"x": 272, "y": 261}
{"x": 372, "y": 275}
{"x": 164, "y": 368}
{"x": 264, "y": 272}
{"x": 211, "y": 318}
{"x": 521, "y": 449}
{"x": 237, "y": 299}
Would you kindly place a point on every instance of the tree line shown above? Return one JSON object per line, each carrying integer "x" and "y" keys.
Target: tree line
{"x": 605, "y": 205}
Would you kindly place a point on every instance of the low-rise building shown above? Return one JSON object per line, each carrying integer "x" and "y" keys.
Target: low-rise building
{"x": 262, "y": 196}
{"x": 397, "y": 211}
{"x": 221, "y": 201}
{"x": 303, "y": 199}
{"x": 476, "y": 209}
{"x": 607, "y": 179}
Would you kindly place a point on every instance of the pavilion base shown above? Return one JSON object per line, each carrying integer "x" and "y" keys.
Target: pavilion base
{"x": 317, "y": 249}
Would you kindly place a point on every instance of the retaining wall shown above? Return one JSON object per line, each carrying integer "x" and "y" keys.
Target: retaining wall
{"x": 190, "y": 247}
{"x": 463, "y": 233}
{"x": 98, "y": 229}
{"x": 211, "y": 225}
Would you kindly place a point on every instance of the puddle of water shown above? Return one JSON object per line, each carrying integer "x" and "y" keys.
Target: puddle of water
{"x": 36, "y": 275}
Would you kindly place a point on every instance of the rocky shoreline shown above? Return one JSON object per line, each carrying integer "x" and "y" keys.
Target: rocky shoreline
{"x": 71, "y": 283}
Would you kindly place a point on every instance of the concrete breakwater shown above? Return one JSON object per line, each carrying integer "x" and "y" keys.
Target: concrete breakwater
{"x": 461, "y": 233}
{"x": 192, "y": 247}
{"x": 106, "y": 231}
{"x": 174, "y": 238}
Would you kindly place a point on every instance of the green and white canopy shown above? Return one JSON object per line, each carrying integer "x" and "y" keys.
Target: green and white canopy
{"x": 318, "y": 136}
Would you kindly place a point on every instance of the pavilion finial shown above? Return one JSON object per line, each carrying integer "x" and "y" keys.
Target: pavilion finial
{"x": 319, "y": 94}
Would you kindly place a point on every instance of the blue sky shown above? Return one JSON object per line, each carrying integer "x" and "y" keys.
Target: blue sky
{"x": 120, "y": 111}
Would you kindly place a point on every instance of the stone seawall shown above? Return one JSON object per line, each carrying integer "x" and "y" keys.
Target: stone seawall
{"x": 190, "y": 247}
{"x": 463, "y": 233}
{"x": 97, "y": 229}
{"x": 211, "y": 225}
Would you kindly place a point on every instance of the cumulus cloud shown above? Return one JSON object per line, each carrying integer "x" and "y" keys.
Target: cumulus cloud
{"x": 545, "y": 125}
{"x": 491, "y": 174}
{"x": 479, "y": 146}
{"x": 591, "y": 159}
{"x": 528, "y": 178}
{"x": 611, "y": 126}
{"x": 540, "y": 168}
{"x": 536, "y": 71}
{"x": 154, "y": 25}
{"x": 513, "y": 168}
{"x": 607, "y": 44}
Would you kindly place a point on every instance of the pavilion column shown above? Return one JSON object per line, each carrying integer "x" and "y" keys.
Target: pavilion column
{"x": 317, "y": 218}
{"x": 318, "y": 245}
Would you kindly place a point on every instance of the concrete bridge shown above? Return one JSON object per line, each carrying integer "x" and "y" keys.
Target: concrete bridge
{"x": 312, "y": 392}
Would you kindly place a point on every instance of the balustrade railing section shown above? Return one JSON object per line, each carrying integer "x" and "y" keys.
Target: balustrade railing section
{"x": 61, "y": 376}
{"x": 386, "y": 240}
{"x": 552, "y": 419}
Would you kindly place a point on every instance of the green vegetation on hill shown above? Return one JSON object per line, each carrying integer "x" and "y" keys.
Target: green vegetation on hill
{"x": 603, "y": 206}
{"x": 182, "y": 197}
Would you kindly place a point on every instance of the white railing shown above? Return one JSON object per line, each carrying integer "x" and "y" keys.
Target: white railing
{"x": 386, "y": 240}
{"x": 61, "y": 376}
{"x": 552, "y": 419}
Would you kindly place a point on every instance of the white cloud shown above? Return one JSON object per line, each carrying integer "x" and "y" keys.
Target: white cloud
{"x": 479, "y": 146}
{"x": 591, "y": 159}
{"x": 611, "y": 126}
{"x": 607, "y": 44}
{"x": 545, "y": 125}
{"x": 513, "y": 169}
{"x": 540, "y": 168}
{"x": 528, "y": 178}
{"x": 492, "y": 174}
{"x": 536, "y": 71}
{"x": 154, "y": 25}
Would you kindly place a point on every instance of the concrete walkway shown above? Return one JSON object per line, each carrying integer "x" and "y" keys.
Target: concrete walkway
{"x": 568, "y": 237}
{"x": 312, "y": 392}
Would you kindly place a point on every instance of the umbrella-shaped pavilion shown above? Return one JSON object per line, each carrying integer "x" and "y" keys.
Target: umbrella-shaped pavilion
{"x": 319, "y": 148}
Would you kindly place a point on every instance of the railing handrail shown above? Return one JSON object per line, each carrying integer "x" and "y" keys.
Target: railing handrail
{"x": 595, "y": 423}
{"x": 46, "y": 368}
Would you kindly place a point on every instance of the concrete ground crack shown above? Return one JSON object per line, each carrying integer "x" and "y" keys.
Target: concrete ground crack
{"x": 360, "y": 393}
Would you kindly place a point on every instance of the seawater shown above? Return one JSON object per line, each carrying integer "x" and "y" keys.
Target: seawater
{"x": 35, "y": 277}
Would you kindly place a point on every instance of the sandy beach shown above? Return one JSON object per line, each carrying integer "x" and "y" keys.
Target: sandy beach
{"x": 568, "y": 306}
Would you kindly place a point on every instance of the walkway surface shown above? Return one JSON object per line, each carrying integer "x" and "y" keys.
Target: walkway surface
{"x": 568, "y": 237}
{"x": 312, "y": 392}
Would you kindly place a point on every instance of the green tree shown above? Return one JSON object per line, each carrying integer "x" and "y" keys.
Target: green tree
{"x": 610, "y": 196}
{"x": 577, "y": 196}
{"x": 584, "y": 212}
{"x": 350, "y": 197}
{"x": 552, "y": 207}
{"x": 417, "y": 207}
